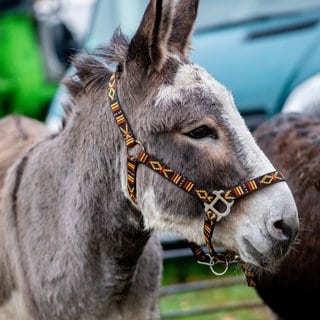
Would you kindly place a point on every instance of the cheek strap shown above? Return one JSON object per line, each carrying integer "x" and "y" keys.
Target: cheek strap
{"x": 217, "y": 204}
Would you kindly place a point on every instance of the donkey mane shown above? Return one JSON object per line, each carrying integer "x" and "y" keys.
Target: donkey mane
{"x": 92, "y": 70}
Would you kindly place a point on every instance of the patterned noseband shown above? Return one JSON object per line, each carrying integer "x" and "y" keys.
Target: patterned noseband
{"x": 209, "y": 199}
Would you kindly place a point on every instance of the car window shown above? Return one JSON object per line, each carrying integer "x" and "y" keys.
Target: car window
{"x": 110, "y": 14}
{"x": 223, "y": 12}
{"x": 287, "y": 36}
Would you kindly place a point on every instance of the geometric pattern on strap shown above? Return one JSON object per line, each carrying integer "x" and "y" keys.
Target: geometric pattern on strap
{"x": 208, "y": 198}
{"x": 168, "y": 173}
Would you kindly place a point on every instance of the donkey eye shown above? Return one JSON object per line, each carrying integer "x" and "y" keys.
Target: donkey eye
{"x": 202, "y": 132}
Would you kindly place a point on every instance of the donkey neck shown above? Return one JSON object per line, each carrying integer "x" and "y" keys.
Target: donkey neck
{"x": 97, "y": 154}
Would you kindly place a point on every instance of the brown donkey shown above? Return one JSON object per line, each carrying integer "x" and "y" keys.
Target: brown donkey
{"x": 17, "y": 133}
{"x": 80, "y": 244}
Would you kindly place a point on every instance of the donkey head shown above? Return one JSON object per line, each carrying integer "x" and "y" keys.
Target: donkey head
{"x": 188, "y": 120}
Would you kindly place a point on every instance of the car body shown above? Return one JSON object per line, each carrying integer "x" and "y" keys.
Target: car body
{"x": 260, "y": 50}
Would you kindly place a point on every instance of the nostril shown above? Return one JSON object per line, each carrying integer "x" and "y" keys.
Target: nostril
{"x": 282, "y": 229}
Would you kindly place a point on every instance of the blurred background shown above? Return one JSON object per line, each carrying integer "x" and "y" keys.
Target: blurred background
{"x": 267, "y": 52}
{"x": 37, "y": 39}
{"x": 262, "y": 50}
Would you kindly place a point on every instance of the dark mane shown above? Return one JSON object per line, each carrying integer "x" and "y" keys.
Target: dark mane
{"x": 92, "y": 70}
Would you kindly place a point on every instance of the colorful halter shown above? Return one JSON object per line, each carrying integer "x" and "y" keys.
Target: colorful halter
{"x": 209, "y": 199}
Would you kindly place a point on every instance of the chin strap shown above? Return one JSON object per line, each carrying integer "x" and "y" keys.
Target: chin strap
{"x": 213, "y": 214}
{"x": 217, "y": 204}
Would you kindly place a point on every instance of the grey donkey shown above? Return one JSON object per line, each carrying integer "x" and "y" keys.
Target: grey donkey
{"x": 76, "y": 246}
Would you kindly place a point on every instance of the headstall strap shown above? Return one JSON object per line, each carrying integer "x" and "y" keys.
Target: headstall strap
{"x": 209, "y": 199}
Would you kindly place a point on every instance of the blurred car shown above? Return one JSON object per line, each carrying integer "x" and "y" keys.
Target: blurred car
{"x": 262, "y": 50}
{"x": 35, "y": 50}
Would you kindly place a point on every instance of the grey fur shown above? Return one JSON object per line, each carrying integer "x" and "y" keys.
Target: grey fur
{"x": 73, "y": 243}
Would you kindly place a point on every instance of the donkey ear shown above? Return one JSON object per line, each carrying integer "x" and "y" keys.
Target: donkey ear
{"x": 148, "y": 47}
{"x": 183, "y": 22}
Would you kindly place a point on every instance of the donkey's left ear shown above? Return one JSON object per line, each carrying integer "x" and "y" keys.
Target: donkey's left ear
{"x": 148, "y": 47}
{"x": 183, "y": 23}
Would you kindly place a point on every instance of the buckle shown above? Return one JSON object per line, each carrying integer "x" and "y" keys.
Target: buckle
{"x": 218, "y": 197}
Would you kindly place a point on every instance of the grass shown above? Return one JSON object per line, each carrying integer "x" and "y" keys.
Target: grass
{"x": 186, "y": 270}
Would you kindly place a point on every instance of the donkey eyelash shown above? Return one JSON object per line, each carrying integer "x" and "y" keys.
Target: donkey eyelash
{"x": 203, "y": 132}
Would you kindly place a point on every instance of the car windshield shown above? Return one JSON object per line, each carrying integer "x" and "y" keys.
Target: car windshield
{"x": 212, "y": 13}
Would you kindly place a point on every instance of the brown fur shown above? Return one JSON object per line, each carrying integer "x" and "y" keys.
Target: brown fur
{"x": 292, "y": 141}
{"x": 17, "y": 134}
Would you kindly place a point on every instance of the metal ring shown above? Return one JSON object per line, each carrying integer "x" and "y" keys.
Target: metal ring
{"x": 128, "y": 150}
{"x": 213, "y": 263}
{"x": 140, "y": 144}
